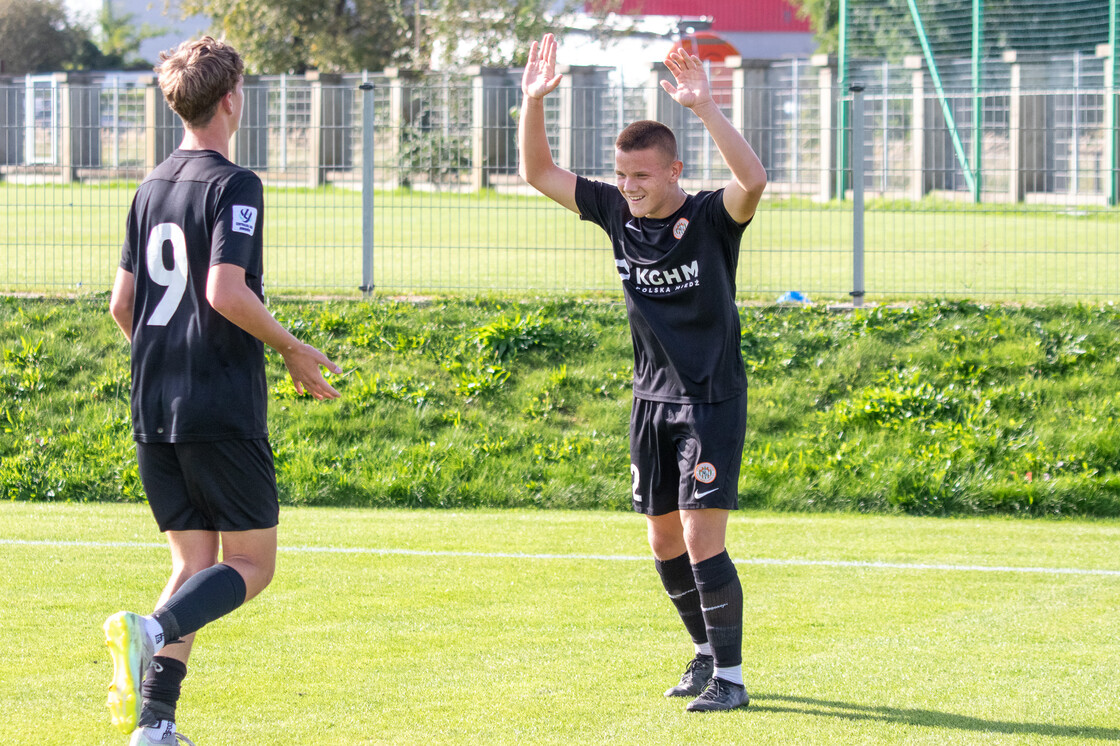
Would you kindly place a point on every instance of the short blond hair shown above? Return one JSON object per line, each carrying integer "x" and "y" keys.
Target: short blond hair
{"x": 196, "y": 75}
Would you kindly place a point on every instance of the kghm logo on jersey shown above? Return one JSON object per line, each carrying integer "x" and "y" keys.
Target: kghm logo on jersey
{"x": 705, "y": 472}
{"x": 659, "y": 281}
{"x": 680, "y": 228}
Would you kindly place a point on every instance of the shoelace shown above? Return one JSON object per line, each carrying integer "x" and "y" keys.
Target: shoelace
{"x": 180, "y": 737}
{"x": 714, "y": 689}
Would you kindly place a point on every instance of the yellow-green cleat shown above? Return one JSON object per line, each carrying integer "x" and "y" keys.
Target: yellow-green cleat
{"x": 131, "y": 651}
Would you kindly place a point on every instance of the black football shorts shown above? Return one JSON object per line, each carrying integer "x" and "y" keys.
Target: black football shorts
{"x": 224, "y": 485}
{"x": 686, "y": 456}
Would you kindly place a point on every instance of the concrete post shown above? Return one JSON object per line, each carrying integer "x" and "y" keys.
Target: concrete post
{"x": 829, "y": 98}
{"x": 751, "y": 105}
{"x": 931, "y": 144}
{"x": 493, "y": 131}
{"x": 660, "y": 106}
{"x": 919, "y": 180}
{"x": 163, "y": 129}
{"x": 11, "y": 122}
{"x": 79, "y": 99}
{"x": 1111, "y": 126}
{"x": 250, "y": 143}
{"x": 403, "y": 111}
{"x": 330, "y": 136}
{"x": 581, "y": 95}
{"x": 1028, "y": 117}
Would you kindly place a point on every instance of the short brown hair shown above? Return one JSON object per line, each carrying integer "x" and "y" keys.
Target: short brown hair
{"x": 646, "y": 134}
{"x": 195, "y": 76}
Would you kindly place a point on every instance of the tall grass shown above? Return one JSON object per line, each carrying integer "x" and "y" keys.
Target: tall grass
{"x": 938, "y": 408}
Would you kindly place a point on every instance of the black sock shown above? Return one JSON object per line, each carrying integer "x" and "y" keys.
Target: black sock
{"x": 209, "y": 595}
{"x": 680, "y": 584}
{"x": 721, "y": 596}
{"x": 161, "y": 690}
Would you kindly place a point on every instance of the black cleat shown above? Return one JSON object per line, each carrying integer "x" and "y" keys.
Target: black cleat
{"x": 695, "y": 677}
{"x": 720, "y": 695}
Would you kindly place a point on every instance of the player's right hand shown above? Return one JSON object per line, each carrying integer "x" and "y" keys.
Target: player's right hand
{"x": 540, "y": 78}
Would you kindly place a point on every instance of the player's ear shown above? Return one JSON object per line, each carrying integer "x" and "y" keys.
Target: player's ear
{"x": 675, "y": 170}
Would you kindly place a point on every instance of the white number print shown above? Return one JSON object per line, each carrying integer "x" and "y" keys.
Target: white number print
{"x": 635, "y": 479}
{"x": 174, "y": 279}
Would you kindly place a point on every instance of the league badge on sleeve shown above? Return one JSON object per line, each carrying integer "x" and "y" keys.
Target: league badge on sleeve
{"x": 244, "y": 219}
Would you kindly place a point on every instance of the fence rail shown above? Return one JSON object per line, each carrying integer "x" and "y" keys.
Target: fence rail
{"x": 407, "y": 182}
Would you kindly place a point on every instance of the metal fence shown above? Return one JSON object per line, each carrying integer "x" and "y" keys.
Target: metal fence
{"x": 405, "y": 182}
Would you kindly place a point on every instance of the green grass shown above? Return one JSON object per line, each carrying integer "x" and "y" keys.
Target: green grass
{"x": 940, "y": 408}
{"x": 66, "y": 238}
{"x": 470, "y": 647}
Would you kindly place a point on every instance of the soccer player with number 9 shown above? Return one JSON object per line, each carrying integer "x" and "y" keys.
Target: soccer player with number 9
{"x": 189, "y": 297}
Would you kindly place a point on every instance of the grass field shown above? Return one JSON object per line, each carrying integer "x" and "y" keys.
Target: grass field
{"x": 408, "y": 627}
{"x": 66, "y": 238}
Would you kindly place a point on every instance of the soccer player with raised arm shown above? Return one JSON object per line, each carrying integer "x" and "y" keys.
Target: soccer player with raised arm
{"x": 676, "y": 254}
{"x": 189, "y": 296}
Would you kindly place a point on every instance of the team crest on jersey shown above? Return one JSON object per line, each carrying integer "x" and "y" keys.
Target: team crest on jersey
{"x": 245, "y": 219}
{"x": 680, "y": 228}
{"x": 705, "y": 473}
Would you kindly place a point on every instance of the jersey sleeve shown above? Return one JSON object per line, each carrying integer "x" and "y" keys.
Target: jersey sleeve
{"x": 594, "y": 201}
{"x": 716, "y": 212}
{"x": 131, "y": 241}
{"x": 237, "y": 230}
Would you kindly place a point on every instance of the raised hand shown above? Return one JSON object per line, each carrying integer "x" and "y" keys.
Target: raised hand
{"x": 692, "y": 87}
{"x": 540, "y": 78}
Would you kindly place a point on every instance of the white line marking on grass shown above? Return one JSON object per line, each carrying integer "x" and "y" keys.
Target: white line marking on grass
{"x": 605, "y": 557}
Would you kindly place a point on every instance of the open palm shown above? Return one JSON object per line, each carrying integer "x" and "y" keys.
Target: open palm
{"x": 692, "y": 82}
{"x": 540, "y": 78}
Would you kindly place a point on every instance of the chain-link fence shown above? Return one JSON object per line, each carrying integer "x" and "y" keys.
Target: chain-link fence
{"x": 407, "y": 182}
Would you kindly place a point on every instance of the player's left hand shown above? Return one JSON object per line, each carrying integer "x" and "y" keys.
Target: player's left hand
{"x": 692, "y": 88}
{"x": 304, "y": 362}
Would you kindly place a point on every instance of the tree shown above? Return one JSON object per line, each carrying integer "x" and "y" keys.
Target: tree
{"x": 119, "y": 38}
{"x": 35, "y": 36}
{"x": 276, "y": 36}
{"x": 497, "y": 32}
{"x": 824, "y": 17}
{"x": 349, "y": 35}
{"x": 885, "y": 28}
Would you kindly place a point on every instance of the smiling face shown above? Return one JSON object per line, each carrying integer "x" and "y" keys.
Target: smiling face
{"x": 648, "y": 178}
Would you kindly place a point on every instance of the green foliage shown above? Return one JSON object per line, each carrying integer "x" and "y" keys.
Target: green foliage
{"x": 431, "y": 152}
{"x": 886, "y": 29}
{"x": 939, "y": 408}
{"x": 298, "y": 35}
{"x": 36, "y": 36}
{"x": 498, "y": 32}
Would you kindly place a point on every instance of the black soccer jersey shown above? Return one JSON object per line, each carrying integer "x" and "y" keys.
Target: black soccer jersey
{"x": 195, "y": 375}
{"x": 678, "y": 274}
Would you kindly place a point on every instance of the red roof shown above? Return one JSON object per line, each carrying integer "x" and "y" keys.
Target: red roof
{"x": 727, "y": 15}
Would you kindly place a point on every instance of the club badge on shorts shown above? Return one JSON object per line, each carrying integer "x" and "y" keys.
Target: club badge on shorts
{"x": 705, "y": 472}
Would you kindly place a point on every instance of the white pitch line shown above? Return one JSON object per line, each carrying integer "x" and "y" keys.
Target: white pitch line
{"x": 605, "y": 557}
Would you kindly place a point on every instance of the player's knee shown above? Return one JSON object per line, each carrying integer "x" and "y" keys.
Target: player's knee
{"x": 666, "y": 545}
{"x": 256, "y": 571}
{"x": 183, "y": 571}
